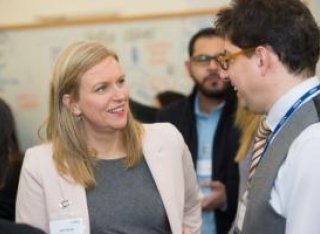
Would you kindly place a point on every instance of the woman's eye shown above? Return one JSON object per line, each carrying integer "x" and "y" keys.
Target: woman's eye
{"x": 101, "y": 88}
{"x": 122, "y": 81}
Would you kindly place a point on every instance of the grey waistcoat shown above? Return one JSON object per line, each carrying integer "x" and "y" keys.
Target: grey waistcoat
{"x": 260, "y": 218}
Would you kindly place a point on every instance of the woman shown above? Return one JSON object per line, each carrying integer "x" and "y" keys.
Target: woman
{"x": 102, "y": 171}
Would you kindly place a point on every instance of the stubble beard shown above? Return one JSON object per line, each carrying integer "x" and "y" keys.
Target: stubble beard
{"x": 219, "y": 93}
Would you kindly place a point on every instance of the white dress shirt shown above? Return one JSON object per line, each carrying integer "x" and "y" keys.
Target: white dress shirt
{"x": 296, "y": 191}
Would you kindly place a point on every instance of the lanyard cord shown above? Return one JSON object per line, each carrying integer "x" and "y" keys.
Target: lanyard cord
{"x": 289, "y": 113}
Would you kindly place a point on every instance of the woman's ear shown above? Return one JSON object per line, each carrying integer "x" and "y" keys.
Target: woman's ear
{"x": 70, "y": 105}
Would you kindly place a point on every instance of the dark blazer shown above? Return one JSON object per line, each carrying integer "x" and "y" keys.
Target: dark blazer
{"x": 181, "y": 114}
{"x": 7, "y": 227}
{"x": 143, "y": 113}
{"x": 8, "y": 192}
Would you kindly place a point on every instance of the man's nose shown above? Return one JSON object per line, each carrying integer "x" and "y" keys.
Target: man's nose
{"x": 224, "y": 75}
{"x": 213, "y": 64}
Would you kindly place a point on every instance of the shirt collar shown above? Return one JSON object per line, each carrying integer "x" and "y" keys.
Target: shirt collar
{"x": 280, "y": 108}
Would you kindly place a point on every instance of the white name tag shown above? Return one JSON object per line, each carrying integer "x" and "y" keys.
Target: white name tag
{"x": 204, "y": 168}
{"x": 241, "y": 210}
{"x": 241, "y": 213}
{"x": 66, "y": 226}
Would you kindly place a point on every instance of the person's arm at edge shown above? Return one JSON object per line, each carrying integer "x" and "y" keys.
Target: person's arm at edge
{"x": 192, "y": 209}
{"x": 30, "y": 204}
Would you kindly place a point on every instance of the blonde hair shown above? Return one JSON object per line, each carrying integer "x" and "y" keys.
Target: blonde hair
{"x": 71, "y": 154}
{"x": 247, "y": 122}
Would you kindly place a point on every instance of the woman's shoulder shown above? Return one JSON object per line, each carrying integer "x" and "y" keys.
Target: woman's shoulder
{"x": 160, "y": 127}
{"x": 165, "y": 131}
{"x": 39, "y": 153}
{"x": 45, "y": 148}
{"x": 38, "y": 162}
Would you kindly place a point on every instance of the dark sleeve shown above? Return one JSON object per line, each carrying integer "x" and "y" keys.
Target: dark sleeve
{"x": 226, "y": 217}
{"x": 171, "y": 113}
{"x": 143, "y": 113}
{"x": 232, "y": 169}
{"x": 232, "y": 180}
{"x": 228, "y": 173}
{"x": 7, "y": 227}
{"x": 162, "y": 116}
{"x": 9, "y": 192}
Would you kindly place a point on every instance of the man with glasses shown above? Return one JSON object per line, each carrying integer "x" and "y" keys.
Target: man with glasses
{"x": 271, "y": 51}
{"x": 205, "y": 120}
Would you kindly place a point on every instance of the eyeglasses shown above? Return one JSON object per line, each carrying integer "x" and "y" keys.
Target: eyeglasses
{"x": 226, "y": 57}
{"x": 204, "y": 59}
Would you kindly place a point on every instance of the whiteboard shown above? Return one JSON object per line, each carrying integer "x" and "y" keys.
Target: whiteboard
{"x": 151, "y": 51}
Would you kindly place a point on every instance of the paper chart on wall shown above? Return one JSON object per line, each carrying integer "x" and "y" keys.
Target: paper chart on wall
{"x": 152, "y": 53}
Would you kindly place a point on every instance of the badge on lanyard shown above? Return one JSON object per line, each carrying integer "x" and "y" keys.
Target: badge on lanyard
{"x": 241, "y": 211}
{"x": 67, "y": 226}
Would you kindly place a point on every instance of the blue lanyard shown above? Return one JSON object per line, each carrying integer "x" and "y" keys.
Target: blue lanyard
{"x": 292, "y": 109}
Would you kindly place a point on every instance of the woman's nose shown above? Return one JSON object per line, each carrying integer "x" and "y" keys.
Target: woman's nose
{"x": 118, "y": 93}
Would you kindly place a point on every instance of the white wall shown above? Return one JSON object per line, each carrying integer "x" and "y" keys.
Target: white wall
{"x": 314, "y": 6}
{"x": 17, "y": 11}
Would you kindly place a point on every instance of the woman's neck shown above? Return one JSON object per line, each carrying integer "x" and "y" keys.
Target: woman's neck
{"x": 107, "y": 146}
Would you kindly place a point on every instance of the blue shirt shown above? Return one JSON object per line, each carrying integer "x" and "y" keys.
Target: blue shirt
{"x": 206, "y": 128}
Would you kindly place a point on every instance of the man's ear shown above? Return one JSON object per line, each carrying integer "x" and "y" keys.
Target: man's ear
{"x": 68, "y": 102}
{"x": 187, "y": 65}
{"x": 264, "y": 59}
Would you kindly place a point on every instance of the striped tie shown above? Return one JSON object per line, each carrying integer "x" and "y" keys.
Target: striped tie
{"x": 260, "y": 141}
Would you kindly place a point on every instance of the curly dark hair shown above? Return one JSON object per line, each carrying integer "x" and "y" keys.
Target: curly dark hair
{"x": 287, "y": 26}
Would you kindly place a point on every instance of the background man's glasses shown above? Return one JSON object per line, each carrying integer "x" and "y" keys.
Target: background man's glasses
{"x": 205, "y": 59}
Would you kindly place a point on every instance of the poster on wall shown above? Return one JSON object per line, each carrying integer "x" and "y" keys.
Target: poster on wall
{"x": 152, "y": 53}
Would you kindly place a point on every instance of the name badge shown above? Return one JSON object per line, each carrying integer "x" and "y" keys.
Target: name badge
{"x": 241, "y": 211}
{"x": 67, "y": 226}
{"x": 204, "y": 168}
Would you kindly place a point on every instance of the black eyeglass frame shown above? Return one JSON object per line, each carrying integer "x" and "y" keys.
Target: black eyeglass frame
{"x": 205, "y": 59}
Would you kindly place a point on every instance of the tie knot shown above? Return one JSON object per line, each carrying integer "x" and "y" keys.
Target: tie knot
{"x": 263, "y": 130}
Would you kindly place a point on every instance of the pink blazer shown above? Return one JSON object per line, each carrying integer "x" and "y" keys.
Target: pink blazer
{"x": 42, "y": 190}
